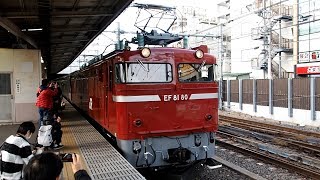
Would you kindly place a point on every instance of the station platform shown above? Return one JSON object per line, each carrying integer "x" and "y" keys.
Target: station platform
{"x": 99, "y": 157}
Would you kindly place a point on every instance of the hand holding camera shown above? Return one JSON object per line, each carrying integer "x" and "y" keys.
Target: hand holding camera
{"x": 66, "y": 157}
{"x": 53, "y": 84}
{"x": 76, "y": 163}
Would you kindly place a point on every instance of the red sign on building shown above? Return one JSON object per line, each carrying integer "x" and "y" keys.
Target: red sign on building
{"x": 308, "y": 68}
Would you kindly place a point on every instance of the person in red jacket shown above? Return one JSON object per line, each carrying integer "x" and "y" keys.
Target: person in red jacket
{"x": 45, "y": 96}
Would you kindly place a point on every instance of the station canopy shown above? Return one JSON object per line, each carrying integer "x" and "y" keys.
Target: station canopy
{"x": 61, "y": 29}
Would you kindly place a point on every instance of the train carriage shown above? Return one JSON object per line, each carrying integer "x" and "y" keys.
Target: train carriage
{"x": 160, "y": 104}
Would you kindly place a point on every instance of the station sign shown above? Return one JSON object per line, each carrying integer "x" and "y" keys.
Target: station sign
{"x": 309, "y": 56}
{"x": 308, "y": 68}
{"x": 304, "y": 57}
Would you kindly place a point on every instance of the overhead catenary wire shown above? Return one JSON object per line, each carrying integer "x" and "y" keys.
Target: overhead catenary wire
{"x": 250, "y": 34}
{"x": 252, "y": 13}
{"x": 311, "y": 10}
{"x": 245, "y": 15}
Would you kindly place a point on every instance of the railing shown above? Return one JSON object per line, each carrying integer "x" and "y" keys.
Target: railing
{"x": 279, "y": 9}
{"x": 256, "y": 33}
{"x": 275, "y": 70}
{"x": 283, "y": 10}
{"x": 285, "y": 43}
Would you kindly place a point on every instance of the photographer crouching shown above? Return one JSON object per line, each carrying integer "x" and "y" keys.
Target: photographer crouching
{"x": 48, "y": 166}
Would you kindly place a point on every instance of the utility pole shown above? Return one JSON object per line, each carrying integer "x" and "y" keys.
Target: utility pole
{"x": 221, "y": 50}
{"x": 264, "y": 30}
{"x": 220, "y": 55}
{"x": 118, "y": 36}
{"x": 270, "y": 43}
{"x": 279, "y": 75}
{"x": 269, "y": 54}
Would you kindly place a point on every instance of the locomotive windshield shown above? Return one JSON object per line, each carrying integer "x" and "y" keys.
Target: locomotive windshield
{"x": 196, "y": 72}
{"x": 143, "y": 72}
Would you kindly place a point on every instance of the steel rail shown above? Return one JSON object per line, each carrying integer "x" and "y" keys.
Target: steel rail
{"x": 238, "y": 169}
{"x": 295, "y": 142}
{"x": 271, "y": 126}
{"x": 309, "y": 172}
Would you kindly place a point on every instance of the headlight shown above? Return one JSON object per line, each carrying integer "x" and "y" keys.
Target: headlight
{"x": 198, "y": 54}
{"x": 145, "y": 52}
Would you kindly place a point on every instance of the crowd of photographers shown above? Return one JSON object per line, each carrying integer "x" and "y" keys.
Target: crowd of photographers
{"x": 18, "y": 160}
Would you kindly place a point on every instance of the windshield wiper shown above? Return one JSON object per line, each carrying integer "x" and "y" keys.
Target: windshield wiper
{"x": 201, "y": 66}
{"x": 142, "y": 65}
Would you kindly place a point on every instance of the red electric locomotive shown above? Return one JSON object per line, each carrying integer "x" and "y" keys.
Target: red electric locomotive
{"x": 161, "y": 104}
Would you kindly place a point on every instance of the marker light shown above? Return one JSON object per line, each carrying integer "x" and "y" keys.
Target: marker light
{"x": 145, "y": 52}
{"x": 137, "y": 122}
{"x": 199, "y": 54}
{"x": 208, "y": 117}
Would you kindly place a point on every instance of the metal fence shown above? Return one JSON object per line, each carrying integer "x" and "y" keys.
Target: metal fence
{"x": 303, "y": 93}
{"x": 280, "y": 93}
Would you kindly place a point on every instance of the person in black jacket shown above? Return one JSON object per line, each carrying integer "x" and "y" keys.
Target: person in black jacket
{"x": 78, "y": 170}
{"x": 57, "y": 101}
{"x": 56, "y": 133}
{"x": 45, "y": 166}
{"x": 48, "y": 166}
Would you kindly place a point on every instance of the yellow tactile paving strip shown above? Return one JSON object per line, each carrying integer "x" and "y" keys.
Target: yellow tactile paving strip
{"x": 99, "y": 158}
{"x": 70, "y": 146}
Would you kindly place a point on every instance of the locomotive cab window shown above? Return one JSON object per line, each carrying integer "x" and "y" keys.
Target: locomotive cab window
{"x": 196, "y": 72}
{"x": 141, "y": 72}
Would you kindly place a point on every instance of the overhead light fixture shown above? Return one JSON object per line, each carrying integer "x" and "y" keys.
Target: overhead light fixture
{"x": 36, "y": 29}
{"x": 42, "y": 61}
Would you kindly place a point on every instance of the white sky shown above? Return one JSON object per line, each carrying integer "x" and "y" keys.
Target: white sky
{"x": 127, "y": 20}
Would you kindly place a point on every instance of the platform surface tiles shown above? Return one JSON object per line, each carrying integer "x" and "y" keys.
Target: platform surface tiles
{"x": 102, "y": 159}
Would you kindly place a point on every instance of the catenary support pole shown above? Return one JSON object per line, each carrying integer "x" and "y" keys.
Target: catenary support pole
{"x": 240, "y": 94}
{"x": 290, "y": 111}
{"x": 254, "y": 94}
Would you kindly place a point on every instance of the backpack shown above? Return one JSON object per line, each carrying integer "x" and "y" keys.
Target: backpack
{"x": 45, "y": 135}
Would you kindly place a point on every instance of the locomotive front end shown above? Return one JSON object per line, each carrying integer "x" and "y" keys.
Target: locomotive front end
{"x": 166, "y": 101}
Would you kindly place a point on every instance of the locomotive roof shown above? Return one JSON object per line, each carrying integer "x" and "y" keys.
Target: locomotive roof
{"x": 165, "y": 50}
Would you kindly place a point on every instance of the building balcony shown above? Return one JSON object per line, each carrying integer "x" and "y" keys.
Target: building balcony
{"x": 224, "y": 3}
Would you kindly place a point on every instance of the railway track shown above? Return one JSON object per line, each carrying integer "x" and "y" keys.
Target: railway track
{"x": 277, "y": 134}
{"x": 237, "y": 168}
{"x": 291, "y": 165}
{"x": 248, "y": 134}
{"x": 270, "y": 127}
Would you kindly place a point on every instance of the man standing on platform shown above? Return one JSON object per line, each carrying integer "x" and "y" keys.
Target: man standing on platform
{"x": 45, "y": 96}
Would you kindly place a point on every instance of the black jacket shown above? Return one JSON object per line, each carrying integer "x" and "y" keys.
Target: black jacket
{"x": 81, "y": 175}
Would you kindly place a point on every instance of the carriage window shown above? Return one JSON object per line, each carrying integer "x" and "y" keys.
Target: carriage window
{"x": 196, "y": 72}
{"x": 142, "y": 72}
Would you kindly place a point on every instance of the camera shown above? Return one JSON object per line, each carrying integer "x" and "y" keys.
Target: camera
{"x": 66, "y": 157}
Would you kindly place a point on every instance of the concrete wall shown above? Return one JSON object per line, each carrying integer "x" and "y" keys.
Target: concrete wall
{"x": 25, "y": 67}
{"x": 300, "y": 116}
